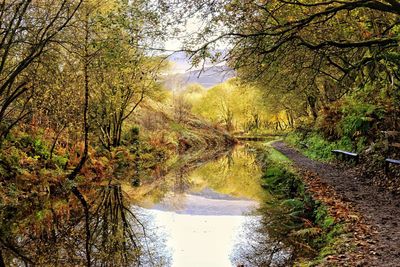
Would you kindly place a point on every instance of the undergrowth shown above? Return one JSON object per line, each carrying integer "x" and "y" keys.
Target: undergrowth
{"x": 352, "y": 124}
{"x": 315, "y": 146}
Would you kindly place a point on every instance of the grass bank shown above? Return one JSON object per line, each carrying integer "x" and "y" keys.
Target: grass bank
{"x": 294, "y": 217}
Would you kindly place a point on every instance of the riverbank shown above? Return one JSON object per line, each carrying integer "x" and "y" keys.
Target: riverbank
{"x": 34, "y": 158}
{"x": 370, "y": 213}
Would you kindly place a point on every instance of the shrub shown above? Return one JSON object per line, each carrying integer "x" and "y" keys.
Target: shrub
{"x": 40, "y": 149}
{"x": 35, "y": 148}
{"x": 60, "y": 161}
{"x": 132, "y": 136}
{"x": 359, "y": 119}
{"x": 328, "y": 121}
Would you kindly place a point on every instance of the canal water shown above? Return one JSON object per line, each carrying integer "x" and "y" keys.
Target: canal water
{"x": 203, "y": 214}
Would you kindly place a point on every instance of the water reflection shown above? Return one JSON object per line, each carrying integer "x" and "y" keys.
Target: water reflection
{"x": 55, "y": 232}
{"x": 204, "y": 208}
{"x": 199, "y": 240}
{"x": 259, "y": 247}
{"x": 232, "y": 173}
{"x": 206, "y": 202}
{"x": 119, "y": 235}
{"x": 199, "y": 213}
{"x": 292, "y": 224}
{"x": 203, "y": 228}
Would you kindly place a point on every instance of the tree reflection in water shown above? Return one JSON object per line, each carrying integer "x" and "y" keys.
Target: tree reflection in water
{"x": 52, "y": 232}
{"x": 260, "y": 246}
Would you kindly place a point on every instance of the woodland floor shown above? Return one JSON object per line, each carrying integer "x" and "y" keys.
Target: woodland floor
{"x": 378, "y": 211}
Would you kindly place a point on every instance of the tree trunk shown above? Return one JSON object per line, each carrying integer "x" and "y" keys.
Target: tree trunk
{"x": 79, "y": 167}
{"x": 312, "y": 103}
{"x": 55, "y": 141}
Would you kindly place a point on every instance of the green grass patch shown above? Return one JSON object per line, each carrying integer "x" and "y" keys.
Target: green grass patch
{"x": 314, "y": 146}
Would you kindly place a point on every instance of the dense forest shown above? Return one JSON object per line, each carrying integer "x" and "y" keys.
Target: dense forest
{"x": 93, "y": 116}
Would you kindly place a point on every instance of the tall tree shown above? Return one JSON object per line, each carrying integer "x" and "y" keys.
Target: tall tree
{"x": 124, "y": 72}
{"x": 27, "y": 30}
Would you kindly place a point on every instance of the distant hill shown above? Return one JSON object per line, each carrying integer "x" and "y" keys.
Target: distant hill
{"x": 183, "y": 74}
{"x": 208, "y": 77}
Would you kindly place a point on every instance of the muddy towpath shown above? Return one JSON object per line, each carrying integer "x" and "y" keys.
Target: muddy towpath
{"x": 376, "y": 212}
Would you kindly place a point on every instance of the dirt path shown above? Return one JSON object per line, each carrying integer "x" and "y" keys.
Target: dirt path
{"x": 380, "y": 209}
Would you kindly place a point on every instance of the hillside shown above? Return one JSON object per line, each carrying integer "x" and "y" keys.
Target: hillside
{"x": 183, "y": 73}
{"x": 181, "y": 132}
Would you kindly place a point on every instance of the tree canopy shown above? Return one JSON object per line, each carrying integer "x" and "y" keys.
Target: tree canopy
{"x": 318, "y": 51}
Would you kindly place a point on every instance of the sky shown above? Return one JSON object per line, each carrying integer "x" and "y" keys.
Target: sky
{"x": 191, "y": 27}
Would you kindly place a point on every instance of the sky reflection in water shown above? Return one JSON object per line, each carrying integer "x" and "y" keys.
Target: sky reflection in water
{"x": 202, "y": 226}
